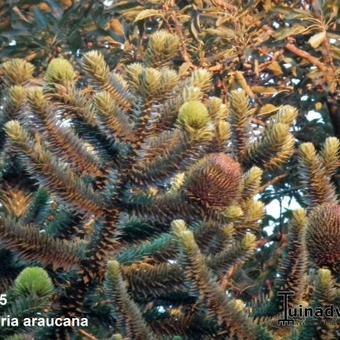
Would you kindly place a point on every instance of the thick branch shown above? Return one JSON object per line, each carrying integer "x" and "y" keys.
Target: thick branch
{"x": 305, "y": 55}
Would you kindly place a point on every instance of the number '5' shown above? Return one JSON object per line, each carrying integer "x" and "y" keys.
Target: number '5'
{"x": 3, "y": 299}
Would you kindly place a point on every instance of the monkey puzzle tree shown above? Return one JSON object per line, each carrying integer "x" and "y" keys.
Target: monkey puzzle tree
{"x": 278, "y": 51}
{"x": 141, "y": 192}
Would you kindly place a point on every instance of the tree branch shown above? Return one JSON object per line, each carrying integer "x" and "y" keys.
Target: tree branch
{"x": 305, "y": 55}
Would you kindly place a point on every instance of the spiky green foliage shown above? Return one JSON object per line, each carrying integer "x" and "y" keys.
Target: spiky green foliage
{"x": 292, "y": 269}
{"x": 17, "y": 71}
{"x": 193, "y": 115}
{"x": 162, "y": 48}
{"x": 60, "y": 71}
{"x": 29, "y": 297}
{"x": 228, "y": 314}
{"x": 317, "y": 169}
{"x": 109, "y": 158}
{"x": 29, "y": 244}
{"x": 252, "y": 182}
{"x": 273, "y": 149}
{"x": 60, "y": 178}
{"x": 130, "y": 316}
{"x": 33, "y": 280}
{"x": 95, "y": 65}
{"x": 323, "y": 296}
{"x": 15, "y": 201}
{"x": 293, "y": 266}
{"x": 240, "y": 117}
{"x": 39, "y": 208}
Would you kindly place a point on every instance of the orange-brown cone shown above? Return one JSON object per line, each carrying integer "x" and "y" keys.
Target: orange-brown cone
{"x": 323, "y": 235}
{"x": 214, "y": 181}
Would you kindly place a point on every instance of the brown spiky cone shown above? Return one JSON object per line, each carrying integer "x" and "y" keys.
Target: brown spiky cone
{"x": 323, "y": 236}
{"x": 214, "y": 181}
